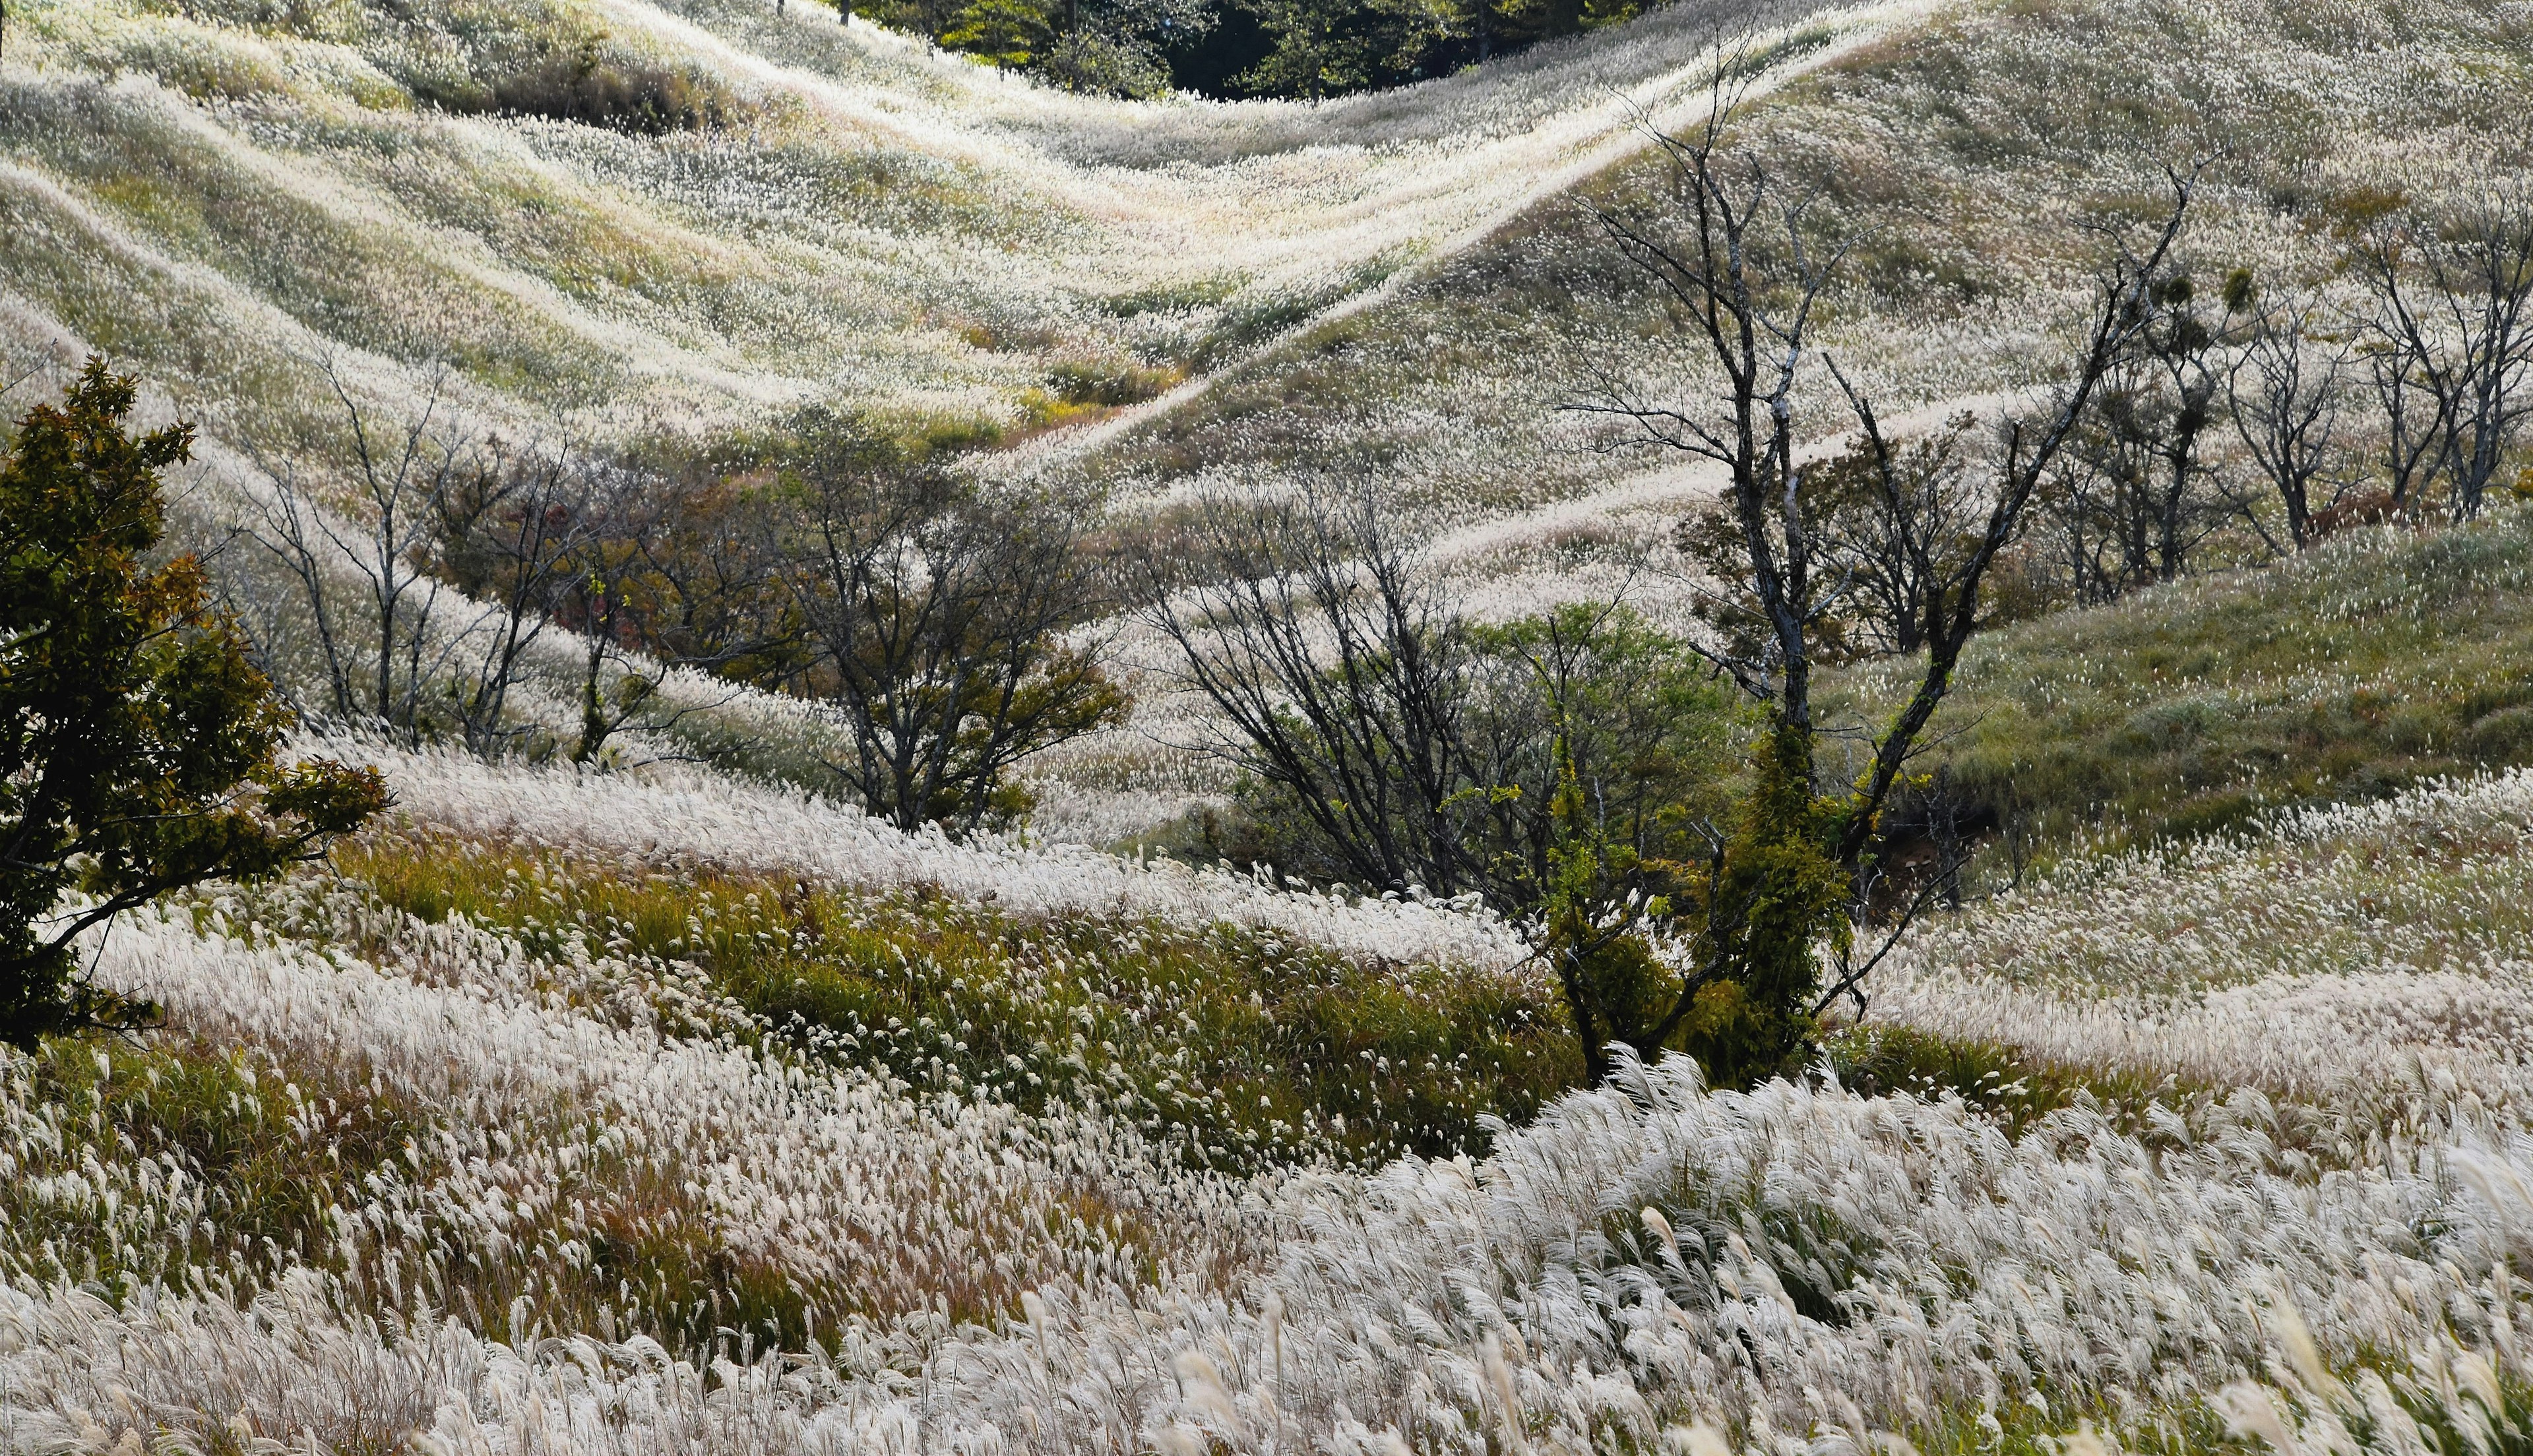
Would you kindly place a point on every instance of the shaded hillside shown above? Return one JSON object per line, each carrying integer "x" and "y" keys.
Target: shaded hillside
{"x": 2377, "y": 660}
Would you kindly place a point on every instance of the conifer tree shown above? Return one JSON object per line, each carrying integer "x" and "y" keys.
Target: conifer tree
{"x": 138, "y": 745}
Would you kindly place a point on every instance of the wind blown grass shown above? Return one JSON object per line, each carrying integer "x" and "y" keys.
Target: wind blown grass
{"x": 2373, "y": 962}
{"x": 555, "y": 1191}
{"x": 674, "y": 817}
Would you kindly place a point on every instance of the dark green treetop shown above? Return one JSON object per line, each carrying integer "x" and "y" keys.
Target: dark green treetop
{"x": 137, "y": 742}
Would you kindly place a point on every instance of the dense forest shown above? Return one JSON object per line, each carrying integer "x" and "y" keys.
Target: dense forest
{"x": 1268, "y": 48}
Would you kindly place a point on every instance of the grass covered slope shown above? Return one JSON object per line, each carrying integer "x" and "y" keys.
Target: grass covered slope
{"x": 1967, "y": 155}
{"x": 694, "y": 214}
{"x": 2363, "y": 974}
{"x": 2377, "y": 660}
{"x": 659, "y": 1110}
{"x": 1220, "y": 1045}
{"x": 504, "y": 1157}
{"x": 630, "y": 215}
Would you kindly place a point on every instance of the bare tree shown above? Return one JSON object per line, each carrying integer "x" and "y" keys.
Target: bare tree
{"x": 1744, "y": 272}
{"x": 1888, "y": 519}
{"x": 2100, "y": 525}
{"x": 512, "y": 533}
{"x": 425, "y": 585}
{"x": 2132, "y": 501}
{"x": 2284, "y": 395}
{"x": 1555, "y": 766}
{"x": 594, "y": 598}
{"x": 2452, "y": 341}
{"x": 1743, "y": 280}
{"x": 1910, "y": 517}
{"x": 673, "y": 571}
{"x": 1341, "y": 673}
{"x": 1755, "y": 330}
{"x": 374, "y": 609}
{"x": 2416, "y": 420}
{"x": 939, "y": 620}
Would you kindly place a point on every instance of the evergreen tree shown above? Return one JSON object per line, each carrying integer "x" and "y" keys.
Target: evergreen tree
{"x": 138, "y": 743}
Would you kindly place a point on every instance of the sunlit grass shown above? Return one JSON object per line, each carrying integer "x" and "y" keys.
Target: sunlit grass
{"x": 1233, "y": 1045}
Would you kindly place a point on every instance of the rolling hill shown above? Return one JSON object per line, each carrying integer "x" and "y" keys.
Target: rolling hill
{"x": 674, "y": 1107}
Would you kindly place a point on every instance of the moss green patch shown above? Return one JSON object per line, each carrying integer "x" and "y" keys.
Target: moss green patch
{"x": 1233, "y": 1046}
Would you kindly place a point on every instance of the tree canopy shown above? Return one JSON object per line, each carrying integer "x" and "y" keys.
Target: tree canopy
{"x": 139, "y": 744}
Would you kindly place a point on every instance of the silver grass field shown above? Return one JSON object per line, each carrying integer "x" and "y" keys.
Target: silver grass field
{"x": 2250, "y": 1169}
{"x": 2320, "y": 1253}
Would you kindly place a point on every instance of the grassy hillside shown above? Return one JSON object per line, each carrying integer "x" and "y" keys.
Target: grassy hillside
{"x": 657, "y": 1108}
{"x": 2361, "y": 970}
{"x": 1968, "y": 153}
{"x": 2381, "y": 659}
{"x": 225, "y": 196}
{"x": 1220, "y": 1045}
{"x": 222, "y": 192}
{"x": 531, "y": 1152}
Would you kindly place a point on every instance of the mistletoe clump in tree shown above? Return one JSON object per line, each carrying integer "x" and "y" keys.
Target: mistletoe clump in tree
{"x": 138, "y": 745}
